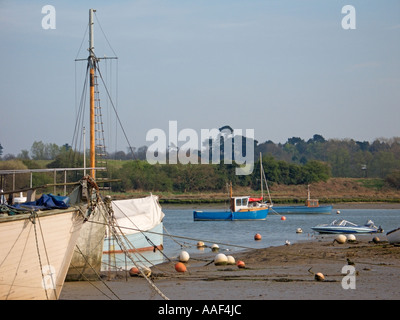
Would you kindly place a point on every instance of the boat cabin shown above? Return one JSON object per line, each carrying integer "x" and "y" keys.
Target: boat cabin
{"x": 239, "y": 203}
{"x": 311, "y": 203}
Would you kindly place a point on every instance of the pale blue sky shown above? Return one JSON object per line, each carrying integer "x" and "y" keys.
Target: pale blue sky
{"x": 283, "y": 68}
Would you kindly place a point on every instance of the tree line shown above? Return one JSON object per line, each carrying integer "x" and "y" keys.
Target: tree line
{"x": 296, "y": 161}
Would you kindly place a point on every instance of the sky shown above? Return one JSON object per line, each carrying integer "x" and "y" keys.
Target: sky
{"x": 284, "y": 68}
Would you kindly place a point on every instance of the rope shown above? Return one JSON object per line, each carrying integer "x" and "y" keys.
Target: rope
{"x": 187, "y": 238}
{"x": 144, "y": 235}
{"x": 115, "y": 110}
{"x": 114, "y": 226}
{"x": 47, "y": 258}
{"x": 96, "y": 275}
{"x": 32, "y": 219}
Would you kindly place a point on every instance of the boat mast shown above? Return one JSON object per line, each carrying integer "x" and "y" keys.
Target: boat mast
{"x": 261, "y": 178}
{"x": 92, "y": 62}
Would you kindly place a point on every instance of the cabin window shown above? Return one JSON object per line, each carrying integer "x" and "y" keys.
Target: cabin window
{"x": 238, "y": 202}
{"x": 245, "y": 201}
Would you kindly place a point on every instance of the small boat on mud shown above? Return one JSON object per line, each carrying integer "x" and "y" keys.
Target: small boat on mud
{"x": 344, "y": 226}
{"x": 393, "y": 236}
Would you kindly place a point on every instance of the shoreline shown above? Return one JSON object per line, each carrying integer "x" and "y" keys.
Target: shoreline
{"x": 342, "y": 205}
{"x": 272, "y": 273}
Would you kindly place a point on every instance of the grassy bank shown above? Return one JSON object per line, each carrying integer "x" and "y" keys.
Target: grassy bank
{"x": 335, "y": 190}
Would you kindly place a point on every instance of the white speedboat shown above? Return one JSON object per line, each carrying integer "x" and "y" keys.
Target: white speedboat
{"x": 393, "y": 236}
{"x": 344, "y": 226}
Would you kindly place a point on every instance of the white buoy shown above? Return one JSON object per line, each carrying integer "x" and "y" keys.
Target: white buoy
{"x": 231, "y": 260}
{"x": 287, "y": 243}
{"x": 351, "y": 237}
{"x": 338, "y": 212}
{"x": 215, "y": 247}
{"x": 340, "y": 238}
{"x": 220, "y": 259}
{"x": 146, "y": 271}
{"x": 319, "y": 276}
{"x": 184, "y": 256}
{"x": 200, "y": 244}
{"x": 299, "y": 230}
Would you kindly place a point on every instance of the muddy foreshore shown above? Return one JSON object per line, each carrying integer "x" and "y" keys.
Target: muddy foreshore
{"x": 362, "y": 270}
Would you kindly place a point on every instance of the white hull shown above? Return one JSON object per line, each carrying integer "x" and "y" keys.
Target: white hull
{"x": 343, "y": 230}
{"x": 393, "y": 236}
{"x": 138, "y": 247}
{"x": 34, "y": 257}
{"x": 88, "y": 252}
{"x": 343, "y": 226}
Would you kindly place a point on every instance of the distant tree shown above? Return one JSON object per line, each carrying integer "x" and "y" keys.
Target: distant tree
{"x": 42, "y": 151}
{"x": 38, "y": 150}
{"x": 294, "y": 140}
{"x": 1, "y": 150}
{"x": 317, "y": 138}
{"x": 363, "y": 145}
{"x": 24, "y": 154}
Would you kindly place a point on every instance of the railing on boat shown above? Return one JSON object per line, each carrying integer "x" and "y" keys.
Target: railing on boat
{"x": 14, "y": 172}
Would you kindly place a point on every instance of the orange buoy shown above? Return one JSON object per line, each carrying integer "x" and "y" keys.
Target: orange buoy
{"x": 240, "y": 264}
{"x": 283, "y": 218}
{"x": 138, "y": 272}
{"x": 180, "y": 267}
{"x": 257, "y": 236}
{"x": 133, "y": 272}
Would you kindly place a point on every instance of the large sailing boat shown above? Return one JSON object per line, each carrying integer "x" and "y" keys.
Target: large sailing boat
{"x": 140, "y": 218}
{"x": 37, "y": 240}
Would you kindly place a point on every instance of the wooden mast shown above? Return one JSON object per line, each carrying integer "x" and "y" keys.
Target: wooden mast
{"x": 92, "y": 61}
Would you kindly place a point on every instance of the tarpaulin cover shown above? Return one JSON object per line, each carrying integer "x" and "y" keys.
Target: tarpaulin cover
{"x": 255, "y": 199}
{"x": 137, "y": 214}
{"x": 45, "y": 202}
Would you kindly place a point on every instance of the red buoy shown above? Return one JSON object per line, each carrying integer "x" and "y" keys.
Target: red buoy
{"x": 240, "y": 264}
{"x": 283, "y": 218}
{"x": 133, "y": 272}
{"x": 180, "y": 267}
{"x": 257, "y": 236}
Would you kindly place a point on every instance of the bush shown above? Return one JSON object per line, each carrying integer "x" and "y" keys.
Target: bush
{"x": 393, "y": 179}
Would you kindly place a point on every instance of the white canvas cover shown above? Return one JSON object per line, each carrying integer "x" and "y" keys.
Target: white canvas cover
{"x": 142, "y": 213}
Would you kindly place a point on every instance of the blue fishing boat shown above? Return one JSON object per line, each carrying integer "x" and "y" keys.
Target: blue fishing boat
{"x": 311, "y": 206}
{"x": 241, "y": 208}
